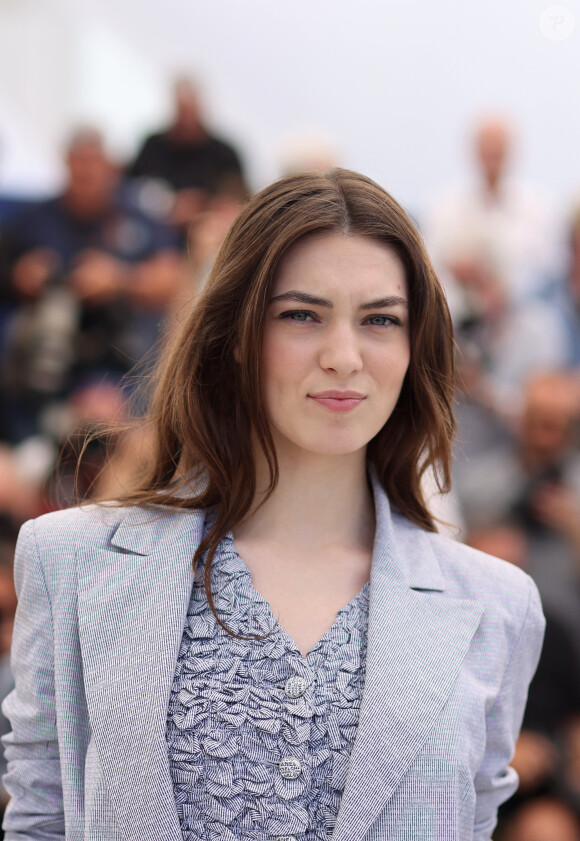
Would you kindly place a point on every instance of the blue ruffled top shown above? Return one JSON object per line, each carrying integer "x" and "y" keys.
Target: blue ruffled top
{"x": 259, "y": 736}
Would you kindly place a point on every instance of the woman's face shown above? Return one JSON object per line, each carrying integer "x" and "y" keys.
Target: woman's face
{"x": 336, "y": 344}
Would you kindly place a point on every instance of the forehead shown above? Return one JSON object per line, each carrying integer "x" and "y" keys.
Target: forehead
{"x": 334, "y": 262}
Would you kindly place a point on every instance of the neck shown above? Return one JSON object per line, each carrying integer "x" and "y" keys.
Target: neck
{"x": 318, "y": 500}
{"x": 492, "y": 185}
{"x": 188, "y": 132}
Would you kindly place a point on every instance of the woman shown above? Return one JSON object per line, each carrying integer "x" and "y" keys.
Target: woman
{"x": 336, "y": 668}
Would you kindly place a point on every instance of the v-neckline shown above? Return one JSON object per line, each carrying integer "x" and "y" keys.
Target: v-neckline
{"x": 258, "y": 597}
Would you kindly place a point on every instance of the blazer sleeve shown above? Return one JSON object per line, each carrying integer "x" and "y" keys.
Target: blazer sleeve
{"x": 33, "y": 780}
{"x": 495, "y": 780}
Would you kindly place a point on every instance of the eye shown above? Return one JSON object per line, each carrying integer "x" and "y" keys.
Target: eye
{"x": 382, "y": 320}
{"x": 297, "y": 315}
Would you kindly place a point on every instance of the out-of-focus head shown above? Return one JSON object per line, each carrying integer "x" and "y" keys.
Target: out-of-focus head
{"x": 91, "y": 173}
{"x": 544, "y": 819}
{"x": 211, "y": 392}
{"x": 306, "y": 152}
{"x": 551, "y": 411}
{"x": 493, "y": 141}
{"x": 503, "y": 540}
{"x": 187, "y": 105}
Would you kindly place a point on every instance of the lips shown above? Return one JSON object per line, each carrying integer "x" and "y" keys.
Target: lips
{"x": 338, "y": 401}
{"x": 338, "y": 395}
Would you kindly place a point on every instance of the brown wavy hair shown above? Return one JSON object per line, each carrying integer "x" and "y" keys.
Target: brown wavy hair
{"x": 208, "y": 396}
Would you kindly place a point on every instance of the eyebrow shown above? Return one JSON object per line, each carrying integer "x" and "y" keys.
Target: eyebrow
{"x": 304, "y": 298}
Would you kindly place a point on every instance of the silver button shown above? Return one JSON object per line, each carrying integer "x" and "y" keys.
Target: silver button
{"x": 290, "y": 768}
{"x": 295, "y": 686}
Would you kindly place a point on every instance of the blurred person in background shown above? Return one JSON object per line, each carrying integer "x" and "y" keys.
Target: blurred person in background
{"x": 187, "y": 160}
{"x": 547, "y": 818}
{"x": 533, "y": 476}
{"x": 500, "y": 351}
{"x": 91, "y": 278}
{"x": 493, "y": 237}
{"x": 307, "y": 151}
{"x": 548, "y": 504}
{"x": 495, "y": 247}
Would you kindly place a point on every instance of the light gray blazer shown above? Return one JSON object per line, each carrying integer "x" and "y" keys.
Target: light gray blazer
{"x": 454, "y": 637}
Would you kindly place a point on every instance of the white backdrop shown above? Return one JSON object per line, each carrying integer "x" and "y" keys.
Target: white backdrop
{"x": 395, "y": 85}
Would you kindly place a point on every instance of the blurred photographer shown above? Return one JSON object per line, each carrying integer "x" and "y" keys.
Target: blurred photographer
{"x": 92, "y": 279}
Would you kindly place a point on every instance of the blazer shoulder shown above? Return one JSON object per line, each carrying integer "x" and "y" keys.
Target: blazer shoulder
{"x": 62, "y": 534}
{"x": 469, "y": 566}
{"x": 509, "y": 594}
{"x": 75, "y": 527}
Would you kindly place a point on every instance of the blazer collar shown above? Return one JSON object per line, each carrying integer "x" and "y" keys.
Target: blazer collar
{"x": 401, "y": 549}
{"x": 142, "y": 529}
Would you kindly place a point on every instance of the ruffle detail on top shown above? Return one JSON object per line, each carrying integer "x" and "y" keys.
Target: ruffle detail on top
{"x": 230, "y": 721}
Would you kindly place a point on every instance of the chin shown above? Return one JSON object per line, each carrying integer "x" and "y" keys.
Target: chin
{"x": 332, "y": 446}
{"x": 299, "y": 442}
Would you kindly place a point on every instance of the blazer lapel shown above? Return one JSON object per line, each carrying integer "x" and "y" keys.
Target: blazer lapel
{"x": 417, "y": 640}
{"x": 133, "y": 601}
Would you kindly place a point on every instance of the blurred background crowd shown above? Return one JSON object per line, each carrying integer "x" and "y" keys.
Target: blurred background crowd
{"x": 95, "y": 275}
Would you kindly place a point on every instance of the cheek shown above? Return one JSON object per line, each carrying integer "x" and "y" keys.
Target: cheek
{"x": 283, "y": 361}
{"x": 405, "y": 362}
{"x": 274, "y": 356}
{"x": 390, "y": 367}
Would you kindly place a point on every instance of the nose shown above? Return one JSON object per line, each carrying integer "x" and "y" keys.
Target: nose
{"x": 340, "y": 352}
